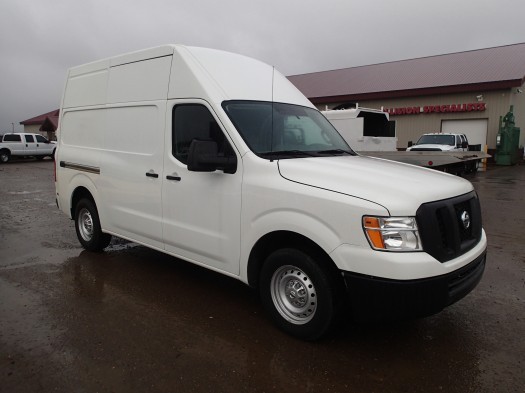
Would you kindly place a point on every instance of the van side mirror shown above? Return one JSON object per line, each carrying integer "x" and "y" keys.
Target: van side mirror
{"x": 410, "y": 143}
{"x": 464, "y": 145}
{"x": 203, "y": 156}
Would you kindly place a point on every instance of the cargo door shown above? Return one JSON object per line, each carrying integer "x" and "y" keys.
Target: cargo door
{"x": 131, "y": 162}
{"x": 131, "y": 172}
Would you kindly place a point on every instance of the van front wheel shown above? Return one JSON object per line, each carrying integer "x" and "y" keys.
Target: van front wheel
{"x": 87, "y": 225}
{"x": 301, "y": 296}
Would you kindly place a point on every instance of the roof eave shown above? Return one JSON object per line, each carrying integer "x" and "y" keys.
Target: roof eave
{"x": 427, "y": 91}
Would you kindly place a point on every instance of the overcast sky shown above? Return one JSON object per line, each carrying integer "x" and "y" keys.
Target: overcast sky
{"x": 41, "y": 39}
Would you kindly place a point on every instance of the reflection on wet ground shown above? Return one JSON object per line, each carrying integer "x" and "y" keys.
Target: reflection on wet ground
{"x": 133, "y": 319}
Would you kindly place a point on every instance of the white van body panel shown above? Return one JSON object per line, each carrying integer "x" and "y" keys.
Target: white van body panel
{"x": 133, "y": 146}
{"x": 297, "y": 208}
{"x": 368, "y": 175}
{"x": 86, "y": 85}
{"x": 139, "y": 81}
{"x": 400, "y": 266}
{"x": 218, "y": 76}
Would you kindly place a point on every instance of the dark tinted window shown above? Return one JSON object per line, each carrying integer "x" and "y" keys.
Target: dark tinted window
{"x": 194, "y": 121}
{"x": 29, "y": 138}
{"x": 376, "y": 124}
{"x": 41, "y": 139}
{"x": 12, "y": 138}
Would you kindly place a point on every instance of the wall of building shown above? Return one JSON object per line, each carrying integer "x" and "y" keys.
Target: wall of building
{"x": 410, "y": 126}
{"x": 32, "y": 128}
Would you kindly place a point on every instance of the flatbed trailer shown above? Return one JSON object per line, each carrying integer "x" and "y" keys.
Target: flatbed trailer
{"x": 457, "y": 162}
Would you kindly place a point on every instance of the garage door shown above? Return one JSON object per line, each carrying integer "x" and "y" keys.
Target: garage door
{"x": 475, "y": 130}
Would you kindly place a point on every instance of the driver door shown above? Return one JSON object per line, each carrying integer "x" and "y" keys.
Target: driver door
{"x": 201, "y": 210}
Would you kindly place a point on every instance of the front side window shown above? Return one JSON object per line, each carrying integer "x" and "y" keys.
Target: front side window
{"x": 194, "y": 121}
{"x": 41, "y": 139}
{"x": 276, "y": 130}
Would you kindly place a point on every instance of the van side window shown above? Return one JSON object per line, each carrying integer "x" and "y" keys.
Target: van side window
{"x": 194, "y": 121}
{"x": 29, "y": 138}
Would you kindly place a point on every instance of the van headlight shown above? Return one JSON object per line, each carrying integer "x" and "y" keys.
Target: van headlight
{"x": 392, "y": 233}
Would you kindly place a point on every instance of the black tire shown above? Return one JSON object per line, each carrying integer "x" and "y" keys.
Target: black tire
{"x": 4, "y": 156}
{"x": 87, "y": 225}
{"x": 301, "y": 294}
{"x": 40, "y": 158}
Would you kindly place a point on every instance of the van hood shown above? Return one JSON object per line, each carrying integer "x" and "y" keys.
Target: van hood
{"x": 398, "y": 187}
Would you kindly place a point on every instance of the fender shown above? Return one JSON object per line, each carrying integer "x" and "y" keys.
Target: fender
{"x": 79, "y": 180}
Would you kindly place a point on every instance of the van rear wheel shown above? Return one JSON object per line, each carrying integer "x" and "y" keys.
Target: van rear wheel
{"x": 300, "y": 294}
{"x": 87, "y": 225}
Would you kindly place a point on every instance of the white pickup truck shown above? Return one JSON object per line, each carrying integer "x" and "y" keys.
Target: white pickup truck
{"x": 440, "y": 142}
{"x": 25, "y": 145}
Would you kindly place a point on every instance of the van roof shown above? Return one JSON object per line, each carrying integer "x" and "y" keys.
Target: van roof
{"x": 178, "y": 71}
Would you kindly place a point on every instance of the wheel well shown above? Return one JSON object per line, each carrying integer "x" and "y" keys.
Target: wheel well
{"x": 78, "y": 194}
{"x": 281, "y": 239}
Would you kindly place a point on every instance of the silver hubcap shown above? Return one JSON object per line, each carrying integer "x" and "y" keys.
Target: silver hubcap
{"x": 4, "y": 157}
{"x": 85, "y": 224}
{"x": 293, "y": 294}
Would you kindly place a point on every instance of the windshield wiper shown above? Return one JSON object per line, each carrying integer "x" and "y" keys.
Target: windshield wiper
{"x": 289, "y": 153}
{"x": 336, "y": 152}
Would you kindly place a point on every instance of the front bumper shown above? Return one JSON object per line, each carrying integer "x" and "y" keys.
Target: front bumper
{"x": 374, "y": 298}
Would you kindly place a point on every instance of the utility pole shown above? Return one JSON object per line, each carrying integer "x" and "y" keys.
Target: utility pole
{"x": 13, "y": 124}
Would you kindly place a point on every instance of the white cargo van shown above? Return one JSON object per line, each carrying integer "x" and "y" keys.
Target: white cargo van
{"x": 219, "y": 160}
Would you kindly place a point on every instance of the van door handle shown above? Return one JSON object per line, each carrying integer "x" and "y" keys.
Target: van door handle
{"x": 152, "y": 174}
{"x": 176, "y": 178}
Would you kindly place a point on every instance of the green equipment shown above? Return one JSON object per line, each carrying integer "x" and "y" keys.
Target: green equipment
{"x": 507, "y": 140}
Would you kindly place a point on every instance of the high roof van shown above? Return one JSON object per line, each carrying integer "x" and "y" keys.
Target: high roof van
{"x": 217, "y": 159}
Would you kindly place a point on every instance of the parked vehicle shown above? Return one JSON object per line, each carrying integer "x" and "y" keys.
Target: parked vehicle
{"x": 365, "y": 129}
{"x": 368, "y": 131}
{"x": 219, "y": 160}
{"x": 440, "y": 142}
{"x": 24, "y": 144}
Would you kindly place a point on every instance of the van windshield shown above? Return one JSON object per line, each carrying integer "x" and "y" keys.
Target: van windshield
{"x": 276, "y": 130}
{"x": 437, "y": 140}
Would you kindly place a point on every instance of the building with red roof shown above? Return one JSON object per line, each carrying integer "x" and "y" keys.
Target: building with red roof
{"x": 464, "y": 92}
{"x": 45, "y": 124}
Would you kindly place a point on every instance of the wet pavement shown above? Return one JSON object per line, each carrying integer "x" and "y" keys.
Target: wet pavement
{"x": 134, "y": 320}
